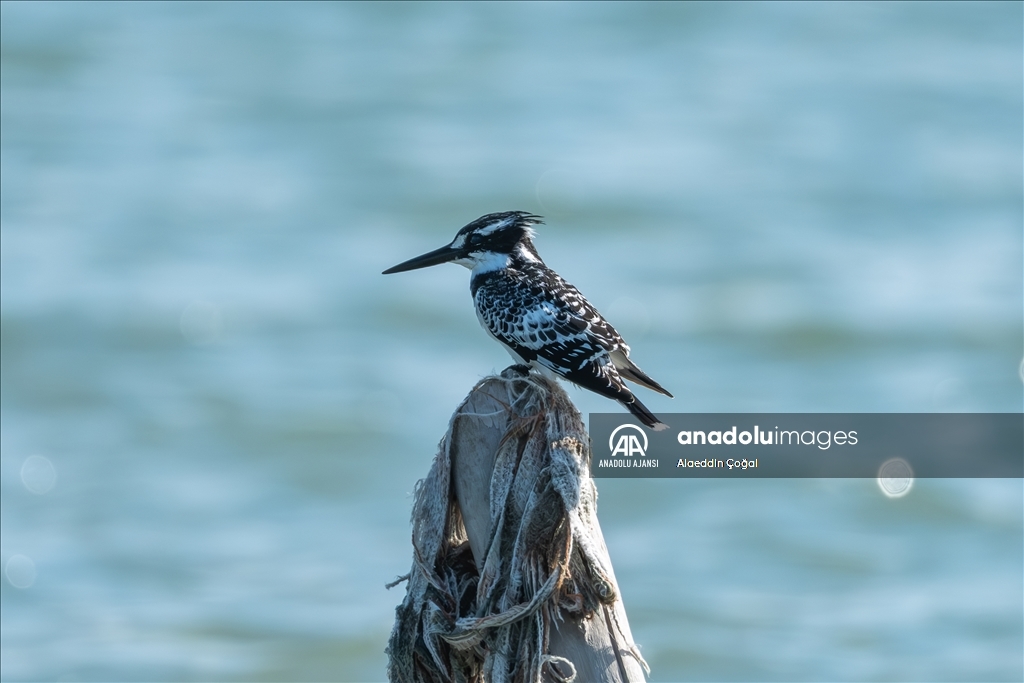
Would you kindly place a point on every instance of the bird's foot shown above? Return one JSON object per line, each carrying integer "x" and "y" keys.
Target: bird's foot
{"x": 517, "y": 370}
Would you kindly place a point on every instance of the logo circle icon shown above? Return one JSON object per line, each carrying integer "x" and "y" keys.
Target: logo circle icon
{"x": 611, "y": 439}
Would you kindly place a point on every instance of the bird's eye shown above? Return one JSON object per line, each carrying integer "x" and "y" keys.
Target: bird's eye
{"x": 474, "y": 239}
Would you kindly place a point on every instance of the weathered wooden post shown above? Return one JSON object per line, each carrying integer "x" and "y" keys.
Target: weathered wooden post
{"x": 511, "y": 579}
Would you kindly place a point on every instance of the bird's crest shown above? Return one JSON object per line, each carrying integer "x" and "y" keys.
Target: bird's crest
{"x": 498, "y": 232}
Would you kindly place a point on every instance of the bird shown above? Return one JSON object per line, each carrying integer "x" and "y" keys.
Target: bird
{"x": 542, "y": 321}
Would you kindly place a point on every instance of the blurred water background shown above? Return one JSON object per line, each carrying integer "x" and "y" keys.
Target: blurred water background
{"x": 214, "y": 407}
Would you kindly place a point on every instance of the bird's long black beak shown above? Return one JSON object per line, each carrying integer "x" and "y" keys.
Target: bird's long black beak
{"x": 432, "y": 258}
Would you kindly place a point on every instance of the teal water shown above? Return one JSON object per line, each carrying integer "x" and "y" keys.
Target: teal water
{"x": 782, "y": 207}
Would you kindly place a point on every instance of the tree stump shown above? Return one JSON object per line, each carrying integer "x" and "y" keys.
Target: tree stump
{"x": 511, "y": 578}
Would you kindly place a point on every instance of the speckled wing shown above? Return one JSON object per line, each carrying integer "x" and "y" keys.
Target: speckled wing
{"x": 554, "y": 326}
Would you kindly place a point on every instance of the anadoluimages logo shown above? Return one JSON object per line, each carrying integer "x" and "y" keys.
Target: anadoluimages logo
{"x": 627, "y": 443}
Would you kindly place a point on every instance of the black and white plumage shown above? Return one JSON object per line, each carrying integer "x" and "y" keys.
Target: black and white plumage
{"x": 541, "y": 320}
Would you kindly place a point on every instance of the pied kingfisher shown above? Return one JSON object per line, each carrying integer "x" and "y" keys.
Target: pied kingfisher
{"x": 540, "y": 319}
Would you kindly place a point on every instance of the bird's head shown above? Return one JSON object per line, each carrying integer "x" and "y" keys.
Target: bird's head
{"x": 488, "y": 243}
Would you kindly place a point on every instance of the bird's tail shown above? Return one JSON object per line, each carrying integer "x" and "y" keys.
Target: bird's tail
{"x": 643, "y": 414}
{"x": 631, "y": 371}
